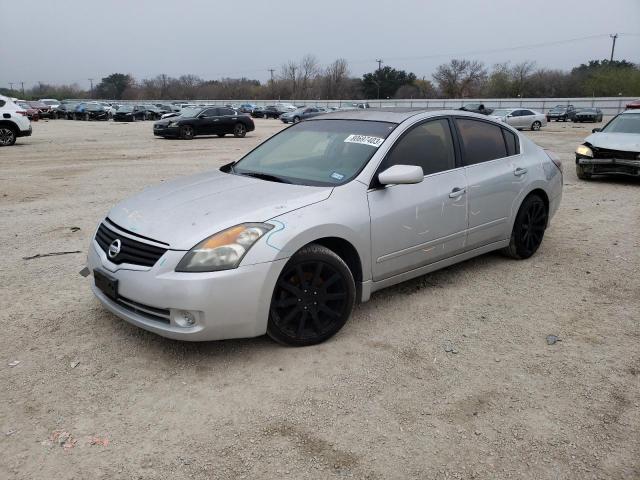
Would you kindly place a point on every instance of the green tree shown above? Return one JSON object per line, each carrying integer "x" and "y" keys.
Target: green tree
{"x": 385, "y": 82}
{"x": 114, "y": 86}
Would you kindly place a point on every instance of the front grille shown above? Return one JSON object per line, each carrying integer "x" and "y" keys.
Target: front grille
{"x": 152, "y": 313}
{"x": 606, "y": 153}
{"x": 131, "y": 251}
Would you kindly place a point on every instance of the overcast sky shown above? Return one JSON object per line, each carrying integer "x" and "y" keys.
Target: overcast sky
{"x": 69, "y": 41}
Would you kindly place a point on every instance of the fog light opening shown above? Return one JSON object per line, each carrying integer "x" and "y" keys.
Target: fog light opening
{"x": 184, "y": 318}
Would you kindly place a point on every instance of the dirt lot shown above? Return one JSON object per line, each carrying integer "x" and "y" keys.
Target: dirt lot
{"x": 381, "y": 400}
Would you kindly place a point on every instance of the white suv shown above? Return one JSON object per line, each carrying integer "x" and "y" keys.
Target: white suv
{"x": 13, "y": 122}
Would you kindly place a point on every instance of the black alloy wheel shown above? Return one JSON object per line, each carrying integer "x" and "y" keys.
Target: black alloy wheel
{"x": 313, "y": 298}
{"x": 239, "y": 130}
{"x": 7, "y": 136}
{"x": 187, "y": 132}
{"x": 528, "y": 229}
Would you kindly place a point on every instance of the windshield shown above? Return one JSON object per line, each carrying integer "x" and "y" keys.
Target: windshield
{"x": 95, "y": 108}
{"x": 125, "y": 108}
{"x": 50, "y": 102}
{"x": 628, "y": 123}
{"x": 588, "y": 110}
{"x": 501, "y": 112}
{"x": 322, "y": 153}
{"x": 189, "y": 112}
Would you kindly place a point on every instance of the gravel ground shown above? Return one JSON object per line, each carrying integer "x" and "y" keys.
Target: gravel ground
{"x": 94, "y": 397}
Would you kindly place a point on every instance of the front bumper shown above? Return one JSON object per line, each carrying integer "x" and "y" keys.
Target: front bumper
{"x": 227, "y": 304}
{"x": 166, "y": 131}
{"x": 608, "y": 166}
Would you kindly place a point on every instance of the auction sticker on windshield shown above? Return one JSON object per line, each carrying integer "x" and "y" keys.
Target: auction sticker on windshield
{"x": 364, "y": 140}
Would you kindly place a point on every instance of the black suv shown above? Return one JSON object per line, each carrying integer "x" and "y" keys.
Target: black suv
{"x": 194, "y": 121}
{"x": 476, "y": 108}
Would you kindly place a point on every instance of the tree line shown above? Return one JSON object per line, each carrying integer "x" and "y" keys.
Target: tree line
{"x": 306, "y": 79}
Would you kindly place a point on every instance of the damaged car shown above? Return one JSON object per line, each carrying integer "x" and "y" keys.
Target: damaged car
{"x": 613, "y": 149}
{"x": 286, "y": 240}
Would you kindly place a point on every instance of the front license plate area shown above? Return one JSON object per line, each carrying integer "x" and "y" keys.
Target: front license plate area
{"x": 107, "y": 284}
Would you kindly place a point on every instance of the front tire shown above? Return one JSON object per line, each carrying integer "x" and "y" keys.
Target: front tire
{"x": 7, "y": 136}
{"x": 528, "y": 229}
{"x": 313, "y": 298}
{"x": 239, "y": 130}
{"x": 296, "y": 119}
{"x": 535, "y": 126}
{"x": 582, "y": 174}
{"x": 187, "y": 132}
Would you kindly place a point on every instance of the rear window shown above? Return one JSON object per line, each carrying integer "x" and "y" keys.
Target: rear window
{"x": 481, "y": 141}
{"x": 512, "y": 142}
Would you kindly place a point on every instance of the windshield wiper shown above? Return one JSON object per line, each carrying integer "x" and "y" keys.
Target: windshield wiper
{"x": 264, "y": 176}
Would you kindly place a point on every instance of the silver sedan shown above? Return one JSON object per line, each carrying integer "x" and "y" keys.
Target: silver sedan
{"x": 286, "y": 240}
{"x": 520, "y": 118}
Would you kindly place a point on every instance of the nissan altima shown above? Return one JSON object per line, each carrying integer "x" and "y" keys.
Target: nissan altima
{"x": 286, "y": 240}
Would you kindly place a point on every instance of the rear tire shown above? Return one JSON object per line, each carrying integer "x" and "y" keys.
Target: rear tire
{"x": 313, "y": 298}
{"x": 239, "y": 130}
{"x": 582, "y": 174}
{"x": 7, "y": 136}
{"x": 535, "y": 126}
{"x": 528, "y": 229}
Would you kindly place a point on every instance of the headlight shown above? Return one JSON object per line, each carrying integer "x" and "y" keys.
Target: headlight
{"x": 172, "y": 124}
{"x": 224, "y": 250}
{"x": 584, "y": 151}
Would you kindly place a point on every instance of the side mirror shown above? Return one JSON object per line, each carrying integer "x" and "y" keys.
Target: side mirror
{"x": 509, "y": 116}
{"x": 401, "y": 174}
{"x": 596, "y": 130}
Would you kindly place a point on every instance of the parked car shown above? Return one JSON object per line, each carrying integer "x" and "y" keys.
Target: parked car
{"x": 287, "y": 239}
{"x": 50, "y": 102}
{"x": 286, "y": 107}
{"x": 633, "y": 105}
{"x": 91, "y": 111}
{"x": 258, "y": 112}
{"x": 613, "y": 149}
{"x": 130, "y": 113}
{"x": 588, "y": 115}
{"x": 476, "y": 108}
{"x": 301, "y": 114}
{"x": 153, "y": 112}
{"x": 520, "y": 118}
{"x": 247, "y": 108}
{"x": 32, "y": 113}
{"x": 269, "y": 111}
{"x": 66, "y": 110}
{"x": 561, "y": 112}
{"x": 14, "y": 122}
{"x": 195, "y": 121}
{"x": 44, "y": 110}
{"x": 353, "y": 106}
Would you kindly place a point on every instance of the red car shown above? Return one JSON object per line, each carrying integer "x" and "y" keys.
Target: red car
{"x": 633, "y": 105}
{"x": 44, "y": 110}
{"x": 32, "y": 113}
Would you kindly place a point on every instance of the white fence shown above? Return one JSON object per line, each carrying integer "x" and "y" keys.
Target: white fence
{"x": 608, "y": 105}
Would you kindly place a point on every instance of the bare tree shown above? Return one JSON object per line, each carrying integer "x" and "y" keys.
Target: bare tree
{"x": 335, "y": 79}
{"x": 460, "y": 78}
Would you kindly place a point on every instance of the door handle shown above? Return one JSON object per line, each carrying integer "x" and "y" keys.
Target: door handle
{"x": 519, "y": 171}
{"x": 457, "y": 192}
{"x": 216, "y": 119}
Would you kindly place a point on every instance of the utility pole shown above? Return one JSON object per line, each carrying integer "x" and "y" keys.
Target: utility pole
{"x": 22, "y": 83}
{"x": 11, "y": 86}
{"x": 91, "y": 81}
{"x": 271, "y": 70}
{"x": 613, "y": 47}
{"x": 379, "y": 63}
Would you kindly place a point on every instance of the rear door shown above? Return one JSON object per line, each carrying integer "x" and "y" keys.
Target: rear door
{"x": 228, "y": 119}
{"x": 415, "y": 225}
{"x": 496, "y": 175}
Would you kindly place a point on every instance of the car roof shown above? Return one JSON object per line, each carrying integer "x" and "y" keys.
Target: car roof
{"x": 631, "y": 111}
{"x": 393, "y": 114}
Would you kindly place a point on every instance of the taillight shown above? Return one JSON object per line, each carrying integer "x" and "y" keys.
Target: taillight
{"x": 553, "y": 156}
{"x": 21, "y": 112}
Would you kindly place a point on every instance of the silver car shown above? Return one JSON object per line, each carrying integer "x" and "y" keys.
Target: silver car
{"x": 289, "y": 238}
{"x": 520, "y": 118}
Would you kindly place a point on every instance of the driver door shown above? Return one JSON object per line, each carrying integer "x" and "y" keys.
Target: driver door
{"x": 418, "y": 224}
{"x": 208, "y": 122}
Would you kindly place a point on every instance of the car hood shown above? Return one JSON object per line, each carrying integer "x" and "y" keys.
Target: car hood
{"x": 187, "y": 210}
{"x": 627, "y": 142}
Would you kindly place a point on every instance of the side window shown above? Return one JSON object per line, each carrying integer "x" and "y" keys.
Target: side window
{"x": 482, "y": 141}
{"x": 511, "y": 141}
{"x": 517, "y": 113}
{"x": 527, "y": 112}
{"x": 211, "y": 112}
{"x": 428, "y": 145}
{"x": 226, "y": 111}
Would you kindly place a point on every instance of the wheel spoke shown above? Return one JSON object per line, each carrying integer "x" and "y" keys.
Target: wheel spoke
{"x": 317, "y": 326}
{"x": 301, "y": 280}
{"x": 333, "y": 279}
{"x": 290, "y": 316}
{"x": 315, "y": 281}
{"x": 290, "y": 288}
{"x": 286, "y": 302}
{"x": 301, "y": 324}
{"x": 333, "y": 296}
{"x": 329, "y": 311}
